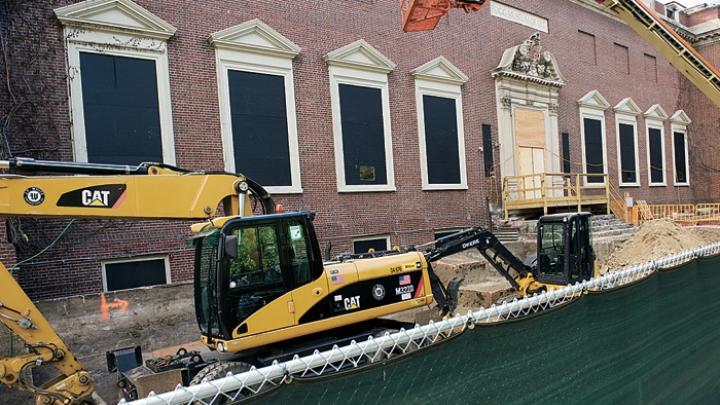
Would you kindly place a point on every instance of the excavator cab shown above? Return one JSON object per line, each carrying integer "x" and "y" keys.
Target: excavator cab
{"x": 564, "y": 249}
{"x": 248, "y": 264}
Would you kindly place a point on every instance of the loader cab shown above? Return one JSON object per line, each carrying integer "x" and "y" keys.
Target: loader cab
{"x": 564, "y": 249}
{"x": 249, "y": 263}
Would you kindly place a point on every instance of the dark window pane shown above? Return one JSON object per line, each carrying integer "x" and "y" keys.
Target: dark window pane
{"x": 364, "y": 246}
{"x": 363, "y": 135}
{"x": 627, "y": 154}
{"x": 593, "y": 149}
{"x": 680, "y": 167}
{"x": 141, "y": 273}
{"x": 566, "y": 152}
{"x": 441, "y": 140}
{"x": 656, "y": 157}
{"x": 120, "y": 105}
{"x": 260, "y": 127}
{"x": 488, "y": 149}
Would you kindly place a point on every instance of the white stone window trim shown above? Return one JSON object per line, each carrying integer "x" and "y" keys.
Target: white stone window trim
{"x": 627, "y": 119}
{"x": 444, "y": 90}
{"x": 651, "y": 123}
{"x": 79, "y": 40}
{"x": 681, "y": 128}
{"x": 165, "y": 258}
{"x": 370, "y": 238}
{"x": 599, "y": 115}
{"x": 364, "y": 78}
{"x": 227, "y": 60}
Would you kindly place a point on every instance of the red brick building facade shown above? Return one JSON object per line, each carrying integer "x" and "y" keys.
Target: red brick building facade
{"x": 328, "y": 54}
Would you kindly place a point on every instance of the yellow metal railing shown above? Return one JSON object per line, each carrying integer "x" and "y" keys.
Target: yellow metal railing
{"x": 691, "y": 214}
{"x": 617, "y": 204}
{"x": 545, "y": 190}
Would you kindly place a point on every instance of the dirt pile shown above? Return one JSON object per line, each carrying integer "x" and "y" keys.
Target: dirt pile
{"x": 657, "y": 239}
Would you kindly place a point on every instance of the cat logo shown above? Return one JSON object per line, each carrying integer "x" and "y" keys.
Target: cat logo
{"x": 102, "y": 196}
{"x": 352, "y": 303}
{"x": 95, "y": 198}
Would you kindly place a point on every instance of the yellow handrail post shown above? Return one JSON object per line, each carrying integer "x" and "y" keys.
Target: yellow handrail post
{"x": 607, "y": 193}
{"x": 506, "y": 197}
{"x": 543, "y": 194}
{"x": 578, "y": 192}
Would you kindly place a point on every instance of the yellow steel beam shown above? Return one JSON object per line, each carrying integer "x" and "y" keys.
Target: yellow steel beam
{"x": 666, "y": 41}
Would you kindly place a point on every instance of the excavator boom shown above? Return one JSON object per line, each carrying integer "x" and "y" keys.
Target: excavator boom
{"x": 89, "y": 190}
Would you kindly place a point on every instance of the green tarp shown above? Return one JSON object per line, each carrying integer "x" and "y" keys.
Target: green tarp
{"x": 655, "y": 342}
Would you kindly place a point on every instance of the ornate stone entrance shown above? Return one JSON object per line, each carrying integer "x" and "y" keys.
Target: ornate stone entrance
{"x": 527, "y": 83}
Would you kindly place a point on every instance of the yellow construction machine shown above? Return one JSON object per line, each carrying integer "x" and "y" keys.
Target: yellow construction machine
{"x": 262, "y": 289}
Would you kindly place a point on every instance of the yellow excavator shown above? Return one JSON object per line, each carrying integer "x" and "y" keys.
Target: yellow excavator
{"x": 262, "y": 289}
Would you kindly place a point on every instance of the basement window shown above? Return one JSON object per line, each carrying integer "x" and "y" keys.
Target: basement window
{"x": 135, "y": 273}
{"x": 376, "y": 244}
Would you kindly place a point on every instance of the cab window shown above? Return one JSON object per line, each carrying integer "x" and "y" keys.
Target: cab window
{"x": 299, "y": 255}
{"x": 552, "y": 250}
{"x": 255, "y": 274}
{"x": 258, "y": 258}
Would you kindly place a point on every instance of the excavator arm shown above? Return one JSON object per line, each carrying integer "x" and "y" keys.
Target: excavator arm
{"x": 87, "y": 190}
{"x": 506, "y": 263}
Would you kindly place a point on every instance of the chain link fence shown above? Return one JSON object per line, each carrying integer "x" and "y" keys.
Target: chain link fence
{"x": 419, "y": 339}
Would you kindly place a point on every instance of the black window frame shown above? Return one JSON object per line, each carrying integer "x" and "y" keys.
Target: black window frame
{"x": 653, "y": 167}
{"x": 588, "y": 166}
{"x": 106, "y": 265}
{"x": 621, "y": 152}
{"x": 154, "y": 114}
{"x": 685, "y": 157}
{"x": 385, "y": 239}
{"x": 235, "y": 77}
{"x": 435, "y": 177}
{"x": 369, "y": 177}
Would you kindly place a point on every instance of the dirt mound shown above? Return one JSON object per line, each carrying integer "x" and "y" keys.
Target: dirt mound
{"x": 657, "y": 239}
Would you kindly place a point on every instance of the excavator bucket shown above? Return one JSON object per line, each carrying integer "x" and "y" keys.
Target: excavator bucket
{"x": 424, "y": 15}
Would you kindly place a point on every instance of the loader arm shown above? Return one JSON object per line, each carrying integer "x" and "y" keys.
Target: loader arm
{"x": 86, "y": 190}
{"x": 506, "y": 263}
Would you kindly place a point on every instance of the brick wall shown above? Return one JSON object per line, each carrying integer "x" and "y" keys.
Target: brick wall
{"x": 474, "y": 43}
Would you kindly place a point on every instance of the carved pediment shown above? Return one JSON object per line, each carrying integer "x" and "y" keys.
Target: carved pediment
{"x": 360, "y": 55}
{"x": 257, "y": 37}
{"x": 681, "y": 118}
{"x": 528, "y": 61}
{"x": 595, "y": 100}
{"x": 656, "y": 112}
{"x": 627, "y": 106}
{"x": 440, "y": 69}
{"x": 116, "y": 16}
